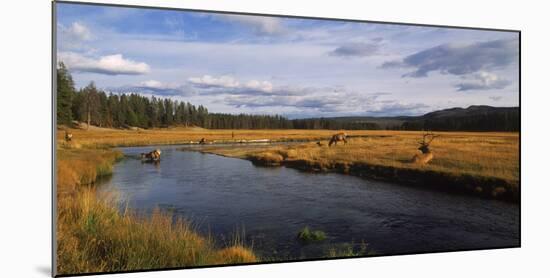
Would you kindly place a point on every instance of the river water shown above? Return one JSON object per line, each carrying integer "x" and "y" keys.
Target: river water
{"x": 227, "y": 196}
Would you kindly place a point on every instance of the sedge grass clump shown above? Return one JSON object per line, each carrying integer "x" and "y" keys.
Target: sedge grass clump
{"x": 77, "y": 167}
{"x": 268, "y": 158}
{"x": 308, "y": 236}
{"x": 235, "y": 255}
{"x": 350, "y": 250}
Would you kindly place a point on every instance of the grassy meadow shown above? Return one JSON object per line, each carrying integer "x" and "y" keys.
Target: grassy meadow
{"x": 105, "y": 137}
{"x": 94, "y": 236}
{"x": 482, "y": 154}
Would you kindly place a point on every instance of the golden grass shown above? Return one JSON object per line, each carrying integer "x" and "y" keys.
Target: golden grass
{"x": 235, "y": 255}
{"x": 481, "y": 154}
{"x": 488, "y": 154}
{"x": 77, "y": 167}
{"x": 118, "y": 137}
{"x": 93, "y": 236}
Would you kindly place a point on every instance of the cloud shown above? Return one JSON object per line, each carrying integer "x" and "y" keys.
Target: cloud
{"x": 397, "y": 108}
{"x": 207, "y": 81}
{"x": 110, "y": 65}
{"x": 328, "y": 102}
{"x": 228, "y": 82}
{"x": 176, "y": 24}
{"x": 262, "y": 25}
{"x": 496, "y": 98}
{"x": 154, "y": 87}
{"x": 460, "y": 59}
{"x": 75, "y": 36}
{"x": 482, "y": 81}
{"x": 152, "y": 84}
{"x": 317, "y": 103}
{"x": 205, "y": 86}
{"x": 157, "y": 84}
{"x": 356, "y": 49}
{"x": 76, "y": 32}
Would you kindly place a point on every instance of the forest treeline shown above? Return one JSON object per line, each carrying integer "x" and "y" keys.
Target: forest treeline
{"x": 96, "y": 107}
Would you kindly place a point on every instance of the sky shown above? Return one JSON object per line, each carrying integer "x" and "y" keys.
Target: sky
{"x": 297, "y": 68}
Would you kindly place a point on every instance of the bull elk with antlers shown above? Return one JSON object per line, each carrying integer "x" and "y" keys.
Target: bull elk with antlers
{"x": 426, "y": 154}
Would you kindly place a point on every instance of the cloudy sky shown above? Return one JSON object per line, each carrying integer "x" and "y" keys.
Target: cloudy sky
{"x": 294, "y": 67}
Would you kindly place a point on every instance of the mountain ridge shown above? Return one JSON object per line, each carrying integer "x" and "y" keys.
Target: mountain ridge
{"x": 472, "y": 118}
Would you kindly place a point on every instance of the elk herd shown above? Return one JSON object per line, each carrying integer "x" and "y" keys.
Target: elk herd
{"x": 422, "y": 158}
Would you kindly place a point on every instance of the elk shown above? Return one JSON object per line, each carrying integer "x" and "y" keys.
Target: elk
{"x": 152, "y": 156}
{"x": 341, "y": 136}
{"x": 202, "y": 141}
{"x": 426, "y": 154}
{"x": 319, "y": 143}
{"x": 68, "y": 136}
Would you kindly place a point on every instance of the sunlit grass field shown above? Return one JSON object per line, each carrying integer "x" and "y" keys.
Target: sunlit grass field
{"x": 103, "y": 137}
{"x": 482, "y": 154}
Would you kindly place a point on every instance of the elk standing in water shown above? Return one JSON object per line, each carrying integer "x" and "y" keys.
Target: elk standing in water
{"x": 341, "y": 136}
{"x": 153, "y": 156}
{"x": 426, "y": 154}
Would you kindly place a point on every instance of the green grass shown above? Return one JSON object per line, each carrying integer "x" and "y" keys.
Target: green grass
{"x": 308, "y": 236}
{"x": 348, "y": 250}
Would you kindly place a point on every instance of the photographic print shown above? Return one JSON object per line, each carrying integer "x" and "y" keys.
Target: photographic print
{"x": 188, "y": 138}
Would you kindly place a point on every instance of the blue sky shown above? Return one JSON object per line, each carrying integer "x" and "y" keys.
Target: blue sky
{"x": 294, "y": 67}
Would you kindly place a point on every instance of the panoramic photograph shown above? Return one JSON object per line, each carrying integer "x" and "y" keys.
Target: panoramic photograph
{"x": 193, "y": 138}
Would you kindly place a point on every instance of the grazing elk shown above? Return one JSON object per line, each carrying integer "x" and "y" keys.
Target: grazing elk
{"x": 341, "y": 136}
{"x": 426, "y": 154}
{"x": 68, "y": 136}
{"x": 152, "y": 156}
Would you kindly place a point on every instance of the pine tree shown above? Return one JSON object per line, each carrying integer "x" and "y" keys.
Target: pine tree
{"x": 92, "y": 104}
{"x": 65, "y": 93}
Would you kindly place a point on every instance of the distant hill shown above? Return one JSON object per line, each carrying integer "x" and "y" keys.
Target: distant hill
{"x": 473, "y": 118}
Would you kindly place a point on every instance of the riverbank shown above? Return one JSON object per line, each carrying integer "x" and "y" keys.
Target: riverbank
{"x": 94, "y": 236}
{"x": 481, "y": 164}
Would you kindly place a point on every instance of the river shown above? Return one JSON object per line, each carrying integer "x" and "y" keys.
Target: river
{"x": 226, "y": 196}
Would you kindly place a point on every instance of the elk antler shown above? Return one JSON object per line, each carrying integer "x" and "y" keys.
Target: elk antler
{"x": 424, "y": 143}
